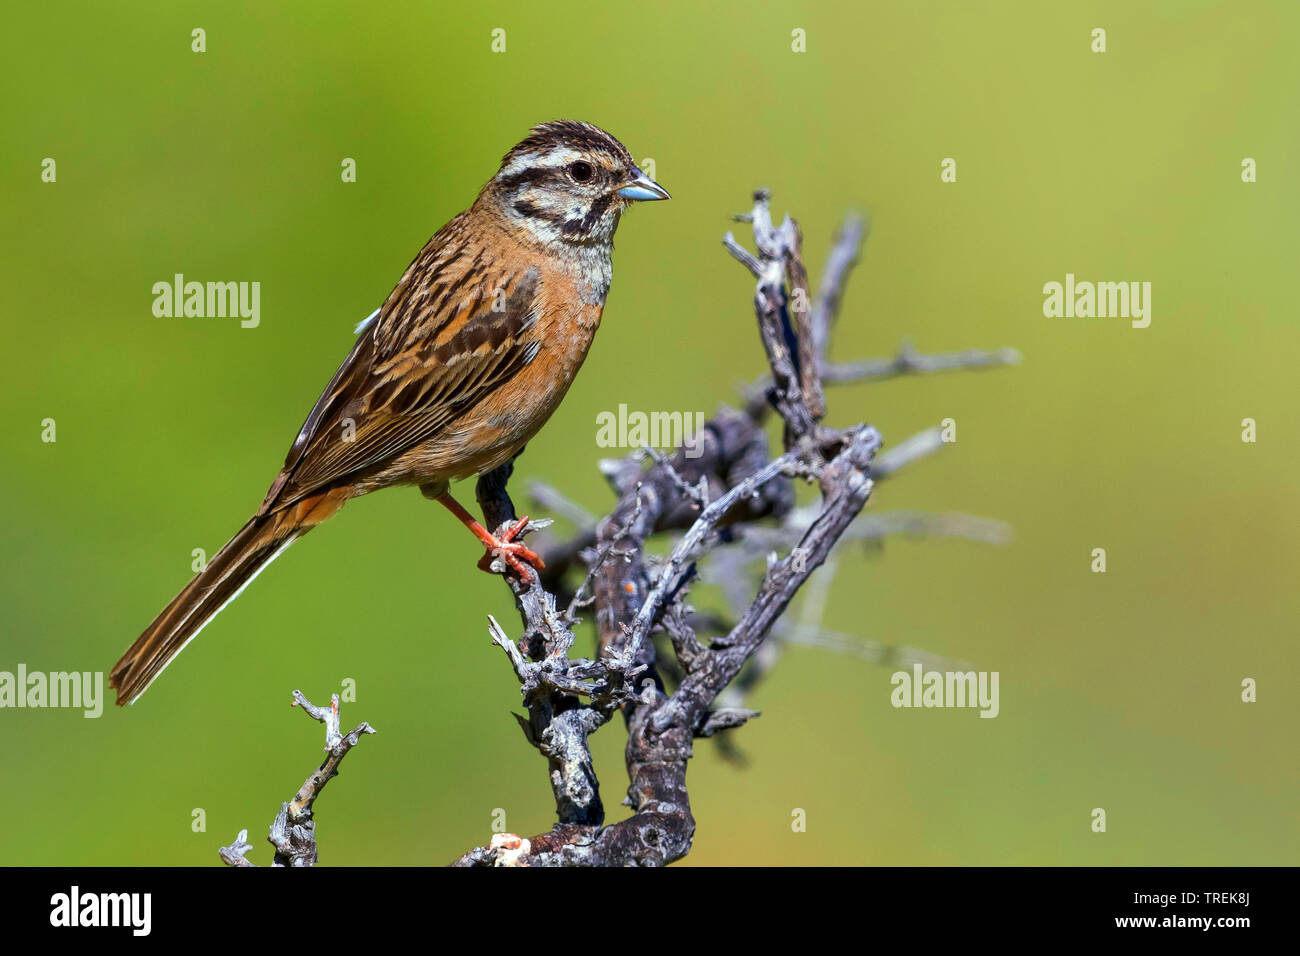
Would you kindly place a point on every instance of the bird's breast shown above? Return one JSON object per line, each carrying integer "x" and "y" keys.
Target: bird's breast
{"x": 492, "y": 432}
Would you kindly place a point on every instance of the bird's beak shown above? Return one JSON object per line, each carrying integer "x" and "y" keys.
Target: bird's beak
{"x": 641, "y": 186}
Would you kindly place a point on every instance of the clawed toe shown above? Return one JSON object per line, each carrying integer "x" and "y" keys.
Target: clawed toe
{"x": 520, "y": 558}
{"x": 514, "y": 530}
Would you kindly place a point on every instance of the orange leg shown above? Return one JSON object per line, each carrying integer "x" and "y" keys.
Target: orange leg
{"x": 515, "y": 553}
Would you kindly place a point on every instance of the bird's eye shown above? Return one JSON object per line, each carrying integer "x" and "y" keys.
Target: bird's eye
{"x": 581, "y": 172}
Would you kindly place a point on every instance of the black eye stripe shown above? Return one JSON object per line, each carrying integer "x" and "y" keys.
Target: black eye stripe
{"x": 550, "y": 175}
{"x": 527, "y": 177}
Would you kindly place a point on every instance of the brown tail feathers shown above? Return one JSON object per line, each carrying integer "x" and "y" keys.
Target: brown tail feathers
{"x": 231, "y": 569}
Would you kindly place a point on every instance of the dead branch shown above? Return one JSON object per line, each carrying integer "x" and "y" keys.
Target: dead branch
{"x": 711, "y": 500}
{"x": 293, "y": 832}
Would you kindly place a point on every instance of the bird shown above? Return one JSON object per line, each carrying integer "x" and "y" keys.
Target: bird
{"x": 460, "y": 367}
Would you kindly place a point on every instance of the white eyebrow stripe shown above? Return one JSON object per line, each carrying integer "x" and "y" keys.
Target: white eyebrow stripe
{"x": 552, "y": 159}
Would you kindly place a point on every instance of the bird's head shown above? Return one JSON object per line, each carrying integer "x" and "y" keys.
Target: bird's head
{"x": 568, "y": 182}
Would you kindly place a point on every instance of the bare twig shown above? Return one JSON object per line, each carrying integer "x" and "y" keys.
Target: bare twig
{"x": 810, "y": 359}
{"x": 907, "y": 451}
{"x": 554, "y": 500}
{"x": 843, "y": 257}
{"x": 293, "y": 833}
{"x": 908, "y": 362}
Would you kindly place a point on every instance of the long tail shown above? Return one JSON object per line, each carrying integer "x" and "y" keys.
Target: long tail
{"x": 231, "y": 570}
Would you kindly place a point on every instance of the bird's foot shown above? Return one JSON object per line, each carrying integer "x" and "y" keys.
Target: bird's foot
{"x": 520, "y": 558}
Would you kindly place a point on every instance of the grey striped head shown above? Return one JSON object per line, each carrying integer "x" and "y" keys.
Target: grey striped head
{"x": 570, "y": 182}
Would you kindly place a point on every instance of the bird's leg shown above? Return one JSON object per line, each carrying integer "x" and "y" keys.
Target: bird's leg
{"x": 515, "y": 553}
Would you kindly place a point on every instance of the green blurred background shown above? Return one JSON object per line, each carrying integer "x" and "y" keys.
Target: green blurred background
{"x": 1118, "y": 690}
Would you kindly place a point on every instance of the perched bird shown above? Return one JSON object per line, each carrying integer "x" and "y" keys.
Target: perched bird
{"x": 451, "y": 376}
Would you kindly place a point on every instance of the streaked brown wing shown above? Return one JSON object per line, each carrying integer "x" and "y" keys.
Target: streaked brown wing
{"x": 399, "y": 388}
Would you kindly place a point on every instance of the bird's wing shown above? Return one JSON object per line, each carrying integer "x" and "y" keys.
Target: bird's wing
{"x": 447, "y": 337}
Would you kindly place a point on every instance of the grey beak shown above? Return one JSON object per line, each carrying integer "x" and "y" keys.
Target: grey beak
{"x": 643, "y": 187}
